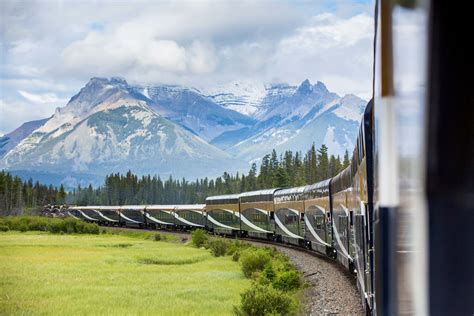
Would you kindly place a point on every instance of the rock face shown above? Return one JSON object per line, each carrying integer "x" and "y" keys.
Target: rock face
{"x": 112, "y": 126}
{"x": 10, "y": 140}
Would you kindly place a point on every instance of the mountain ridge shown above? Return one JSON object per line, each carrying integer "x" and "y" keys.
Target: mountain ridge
{"x": 111, "y": 125}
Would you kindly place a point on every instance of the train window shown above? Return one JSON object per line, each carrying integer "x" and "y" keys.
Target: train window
{"x": 319, "y": 221}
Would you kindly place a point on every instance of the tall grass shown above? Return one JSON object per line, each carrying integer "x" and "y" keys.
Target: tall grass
{"x": 51, "y": 274}
{"x": 47, "y": 224}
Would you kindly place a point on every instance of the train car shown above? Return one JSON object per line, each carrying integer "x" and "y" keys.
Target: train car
{"x": 74, "y": 212}
{"x": 87, "y": 213}
{"x": 132, "y": 215}
{"x": 341, "y": 190}
{"x": 109, "y": 214}
{"x": 223, "y": 214}
{"x": 159, "y": 216}
{"x": 361, "y": 208}
{"x": 189, "y": 216}
{"x": 257, "y": 213}
{"x": 289, "y": 211}
{"x": 317, "y": 217}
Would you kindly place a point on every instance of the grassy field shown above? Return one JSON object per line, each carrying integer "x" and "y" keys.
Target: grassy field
{"x": 42, "y": 273}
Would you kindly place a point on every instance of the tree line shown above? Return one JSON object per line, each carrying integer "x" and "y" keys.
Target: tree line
{"x": 16, "y": 195}
{"x": 286, "y": 170}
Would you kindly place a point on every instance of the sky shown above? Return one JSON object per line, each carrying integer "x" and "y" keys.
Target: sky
{"x": 50, "y": 49}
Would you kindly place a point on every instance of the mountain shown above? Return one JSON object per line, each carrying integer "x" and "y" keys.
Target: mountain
{"x": 112, "y": 126}
{"x": 105, "y": 128}
{"x": 192, "y": 110}
{"x": 310, "y": 114}
{"x": 10, "y": 140}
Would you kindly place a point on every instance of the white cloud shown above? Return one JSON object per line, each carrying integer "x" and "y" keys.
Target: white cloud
{"x": 44, "y": 98}
{"x": 202, "y": 57}
{"x": 334, "y": 50}
{"x": 50, "y": 49}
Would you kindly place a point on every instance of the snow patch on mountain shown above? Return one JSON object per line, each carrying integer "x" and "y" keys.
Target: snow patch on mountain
{"x": 242, "y": 96}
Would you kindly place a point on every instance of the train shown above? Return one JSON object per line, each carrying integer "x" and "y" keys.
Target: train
{"x": 400, "y": 216}
{"x": 331, "y": 217}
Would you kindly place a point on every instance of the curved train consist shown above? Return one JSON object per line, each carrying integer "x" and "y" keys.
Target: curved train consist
{"x": 332, "y": 217}
{"x": 400, "y": 216}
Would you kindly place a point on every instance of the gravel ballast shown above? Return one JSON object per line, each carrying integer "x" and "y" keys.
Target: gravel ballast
{"x": 332, "y": 290}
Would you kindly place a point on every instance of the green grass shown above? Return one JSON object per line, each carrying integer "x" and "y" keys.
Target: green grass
{"x": 42, "y": 273}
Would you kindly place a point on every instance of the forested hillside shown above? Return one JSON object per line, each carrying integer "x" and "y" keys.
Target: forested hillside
{"x": 16, "y": 195}
{"x": 285, "y": 170}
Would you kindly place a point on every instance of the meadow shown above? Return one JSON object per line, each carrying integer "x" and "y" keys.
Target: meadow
{"x": 43, "y": 273}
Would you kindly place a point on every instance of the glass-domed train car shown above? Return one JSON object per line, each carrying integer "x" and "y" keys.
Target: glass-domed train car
{"x": 159, "y": 216}
{"x": 289, "y": 211}
{"x": 317, "y": 217}
{"x": 257, "y": 212}
{"x": 223, "y": 214}
{"x": 188, "y": 216}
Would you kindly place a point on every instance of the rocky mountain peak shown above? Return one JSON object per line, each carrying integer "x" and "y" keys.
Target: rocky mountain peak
{"x": 320, "y": 87}
{"x": 305, "y": 88}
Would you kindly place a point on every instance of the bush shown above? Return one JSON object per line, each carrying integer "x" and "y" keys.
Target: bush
{"x": 268, "y": 272}
{"x": 22, "y": 227}
{"x": 236, "y": 256}
{"x": 236, "y": 246}
{"x": 199, "y": 237}
{"x": 157, "y": 237}
{"x": 53, "y": 225}
{"x": 218, "y": 246}
{"x": 253, "y": 260}
{"x": 288, "y": 281}
{"x": 3, "y": 228}
{"x": 264, "y": 300}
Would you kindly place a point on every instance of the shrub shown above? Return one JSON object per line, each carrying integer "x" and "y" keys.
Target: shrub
{"x": 236, "y": 246}
{"x": 218, "y": 246}
{"x": 53, "y": 225}
{"x": 253, "y": 260}
{"x": 199, "y": 237}
{"x": 3, "y": 228}
{"x": 93, "y": 229}
{"x": 268, "y": 272}
{"x": 264, "y": 300}
{"x": 288, "y": 281}
{"x": 157, "y": 237}
{"x": 22, "y": 227}
{"x": 236, "y": 256}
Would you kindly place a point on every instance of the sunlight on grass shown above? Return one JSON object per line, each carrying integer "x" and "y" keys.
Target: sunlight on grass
{"x": 43, "y": 273}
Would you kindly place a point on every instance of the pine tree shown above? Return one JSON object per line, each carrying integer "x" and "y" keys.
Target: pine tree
{"x": 346, "y": 161}
{"x": 281, "y": 179}
{"x": 323, "y": 166}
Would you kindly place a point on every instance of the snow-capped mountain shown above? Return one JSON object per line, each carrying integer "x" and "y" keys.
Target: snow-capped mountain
{"x": 189, "y": 108}
{"x": 113, "y": 131}
{"x": 311, "y": 114}
{"x": 113, "y": 126}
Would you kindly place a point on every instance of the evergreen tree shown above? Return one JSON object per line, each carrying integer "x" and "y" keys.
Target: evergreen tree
{"x": 281, "y": 179}
{"x": 346, "y": 161}
{"x": 323, "y": 163}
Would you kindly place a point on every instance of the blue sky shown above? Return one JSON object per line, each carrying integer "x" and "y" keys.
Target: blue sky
{"x": 49, "y": 49}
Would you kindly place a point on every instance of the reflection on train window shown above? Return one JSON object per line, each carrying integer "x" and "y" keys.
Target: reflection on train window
{"x": 319, "y": 221}
{"x": 343, "y": 226}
